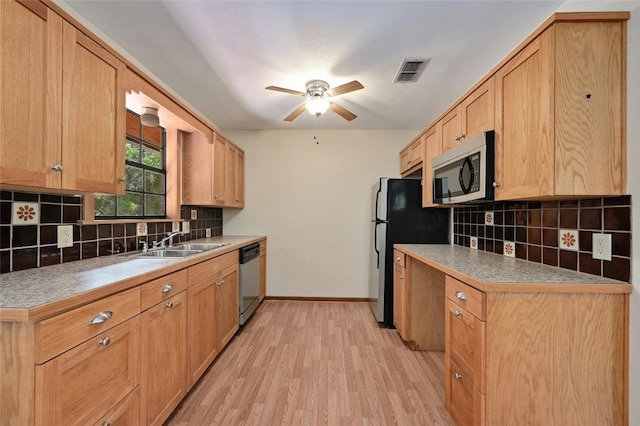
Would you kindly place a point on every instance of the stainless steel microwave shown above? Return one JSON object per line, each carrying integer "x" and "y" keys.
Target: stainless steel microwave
{"x": 465, "y": 173}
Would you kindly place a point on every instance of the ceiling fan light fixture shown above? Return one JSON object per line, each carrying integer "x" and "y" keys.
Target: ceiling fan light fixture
{"x": 149, "y": 117}
{"x": 317, "y": 105}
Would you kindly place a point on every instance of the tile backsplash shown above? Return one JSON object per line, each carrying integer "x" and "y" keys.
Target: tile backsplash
{"x": 556, "y": 233}
{"x": 29, "y": 222}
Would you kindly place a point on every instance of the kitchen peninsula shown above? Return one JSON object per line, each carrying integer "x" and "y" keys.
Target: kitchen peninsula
{"x": 526, "y": 343}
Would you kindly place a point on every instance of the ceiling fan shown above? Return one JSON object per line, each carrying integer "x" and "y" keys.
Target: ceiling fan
{"x": 318, "y": 94}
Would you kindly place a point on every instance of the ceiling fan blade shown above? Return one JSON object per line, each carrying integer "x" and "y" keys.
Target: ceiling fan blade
{"x": 295, "y": 113}
{"x": 346, "y": 88}
{"x": 282, "y": 89}
{"x": 342, "y": 112}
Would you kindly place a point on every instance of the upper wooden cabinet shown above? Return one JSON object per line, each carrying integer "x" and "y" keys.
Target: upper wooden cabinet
{"x": 561, "y": 114}
{"x": 432, "y": 147}
{"x": 63, "y": 105}
{"x": 213, "y": 171}
{"x": 473, "y": 115}
{"x": 411, "y": 157}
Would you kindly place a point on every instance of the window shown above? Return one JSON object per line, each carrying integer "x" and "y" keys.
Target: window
{"x": 145, "y": 171}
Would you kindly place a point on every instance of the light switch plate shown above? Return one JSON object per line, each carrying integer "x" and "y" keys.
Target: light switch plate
{"x": 65, "y": 236}
{"x": 602, "y": 246}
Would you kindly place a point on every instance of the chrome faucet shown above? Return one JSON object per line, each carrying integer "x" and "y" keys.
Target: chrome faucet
{"x": 168, "y": 238}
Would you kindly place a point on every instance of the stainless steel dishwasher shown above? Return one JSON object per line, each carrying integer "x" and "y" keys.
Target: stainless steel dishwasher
{"x": 249, "y": 280}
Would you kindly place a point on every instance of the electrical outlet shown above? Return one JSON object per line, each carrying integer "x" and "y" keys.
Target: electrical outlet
{"x": 602, "y": 246}
{"x": 65, "y": 236}
{"x": 194, "y": 214}
{"x": 208, "y": 232}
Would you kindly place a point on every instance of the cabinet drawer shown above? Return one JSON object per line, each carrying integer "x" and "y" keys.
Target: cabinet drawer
{"x": 463, "y": 401}
{"x": 399, "y": 258}
{"x": 125, "y": 413}
{"x": 465, "y": 335}
{"x": 471, "y": 299}
{"x": 163, "y": 288}
{"x": 203, "y": 272}
{"x": 62, "y": 332}
{"x": 79, "y": 386}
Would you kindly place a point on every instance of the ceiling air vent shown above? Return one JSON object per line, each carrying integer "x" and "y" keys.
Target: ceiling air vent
{"x": 410, "y": 70}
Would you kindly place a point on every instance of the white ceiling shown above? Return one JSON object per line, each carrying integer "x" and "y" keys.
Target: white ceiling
{"x": 219, "y": 56}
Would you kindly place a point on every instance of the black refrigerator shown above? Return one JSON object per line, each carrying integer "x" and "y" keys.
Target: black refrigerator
{"x": 397, "y": 216}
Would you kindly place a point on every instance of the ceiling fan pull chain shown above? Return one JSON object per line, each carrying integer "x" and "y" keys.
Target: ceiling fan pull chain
{"x": 315, "y": 136}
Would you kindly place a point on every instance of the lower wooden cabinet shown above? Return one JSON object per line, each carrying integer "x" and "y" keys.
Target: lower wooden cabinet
{"x": 164, "y": 359}
{"x": 213, "y": 310}
{"x": 79, "y": 386}
{"x": 418, "y": 310}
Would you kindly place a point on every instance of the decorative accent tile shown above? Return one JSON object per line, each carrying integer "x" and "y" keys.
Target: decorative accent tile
{"x": 568, "y": 239}
{"x": 489, "y": 218}
{"x": 175, "y": 227}
{"x": 473, "y": 243}
{"x": 186, "y": 227}
{"x": 25, "y": 213}
{"x": 141, "y": 229}
{"x": 509, "y": 249}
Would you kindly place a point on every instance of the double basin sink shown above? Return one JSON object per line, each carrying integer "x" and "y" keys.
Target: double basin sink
{"x": 182, "y": 250}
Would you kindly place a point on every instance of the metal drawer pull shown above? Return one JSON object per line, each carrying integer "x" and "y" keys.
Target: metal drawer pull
{"x": 57, "y": 167}
{"x": 101, "y": 317}
{"x": 402, "y": 277}
{"x": 167, "y": 288}
{"x": 458, "y": 376}
{"x": 105, "y": 341}
{"x": 106, "y": 424}
{"x": 398, "y": 259}
{"x": 169, "y": 304}
{"x": 457, "y": 313}
{"x": 460, "y": 295}
{"x": 222, "y": 282}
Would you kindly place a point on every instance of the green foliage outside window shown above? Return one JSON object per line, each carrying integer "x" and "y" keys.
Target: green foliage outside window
{"x": 145, "y": 185}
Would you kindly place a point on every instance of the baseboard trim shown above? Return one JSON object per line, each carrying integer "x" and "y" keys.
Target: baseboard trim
{"x": 319, "y": 299}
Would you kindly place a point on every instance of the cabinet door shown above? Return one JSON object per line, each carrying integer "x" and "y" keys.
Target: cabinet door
{"x": 82, "y": 384}
{"x": 219, "y": 185}
{"x": 203, "y": 346}
{"x": 524, "y": 139}
{"x": 431, "y": 149}
{"x": 227, "y": 305}
{"x": 478, "y": 110}
{"x": 405, "y": 160}
{"x": 93, "y": 116}
{"x": 164, "y": 359}
{"x": 239, "y": 194}
{"x": 232, "y": 182}
{"x": 263, "y": 275}
{"x": 451, "y": 128}
{"x": 416, "y": 151}
{"x": 30, "y": 94}
{"x": 197, "y": 170}
{"x": 401, "y": 308}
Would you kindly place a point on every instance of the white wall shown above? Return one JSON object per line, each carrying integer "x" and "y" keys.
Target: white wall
{"x": 313, "y": 203}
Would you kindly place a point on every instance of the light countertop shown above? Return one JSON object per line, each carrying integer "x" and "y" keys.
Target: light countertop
{"x": 34, "y": 293}
{"x": 493, "y": 272}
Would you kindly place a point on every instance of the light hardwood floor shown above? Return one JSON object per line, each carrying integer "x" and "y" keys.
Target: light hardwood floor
{"x": 317, "y": 363}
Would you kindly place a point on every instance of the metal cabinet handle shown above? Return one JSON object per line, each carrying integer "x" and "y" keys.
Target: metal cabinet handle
{"x": 106, "y": 424}
{"x": 222, "y": 282}
{"x": 398, "y": 259}
{"x": 215, "y": 196}
{"x": 460, "y": 295}
{"x": 495, "y": 184}
{"x": 169, "y": 305}
{"x": 458, "y": 376}
{"x": 402, "y": 277}
{"x": 123, "y": 179}
{"x": 167, "y": 288}
{"x": 101, "y": 317}
{"x": 457, "y": 313}
{"x": 57, "y": 167}
{"x": 105, "y": 341}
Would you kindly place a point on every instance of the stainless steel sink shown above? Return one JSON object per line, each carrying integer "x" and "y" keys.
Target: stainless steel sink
{"x": 170, "y": 253}
{"x": 201, "y": 246}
